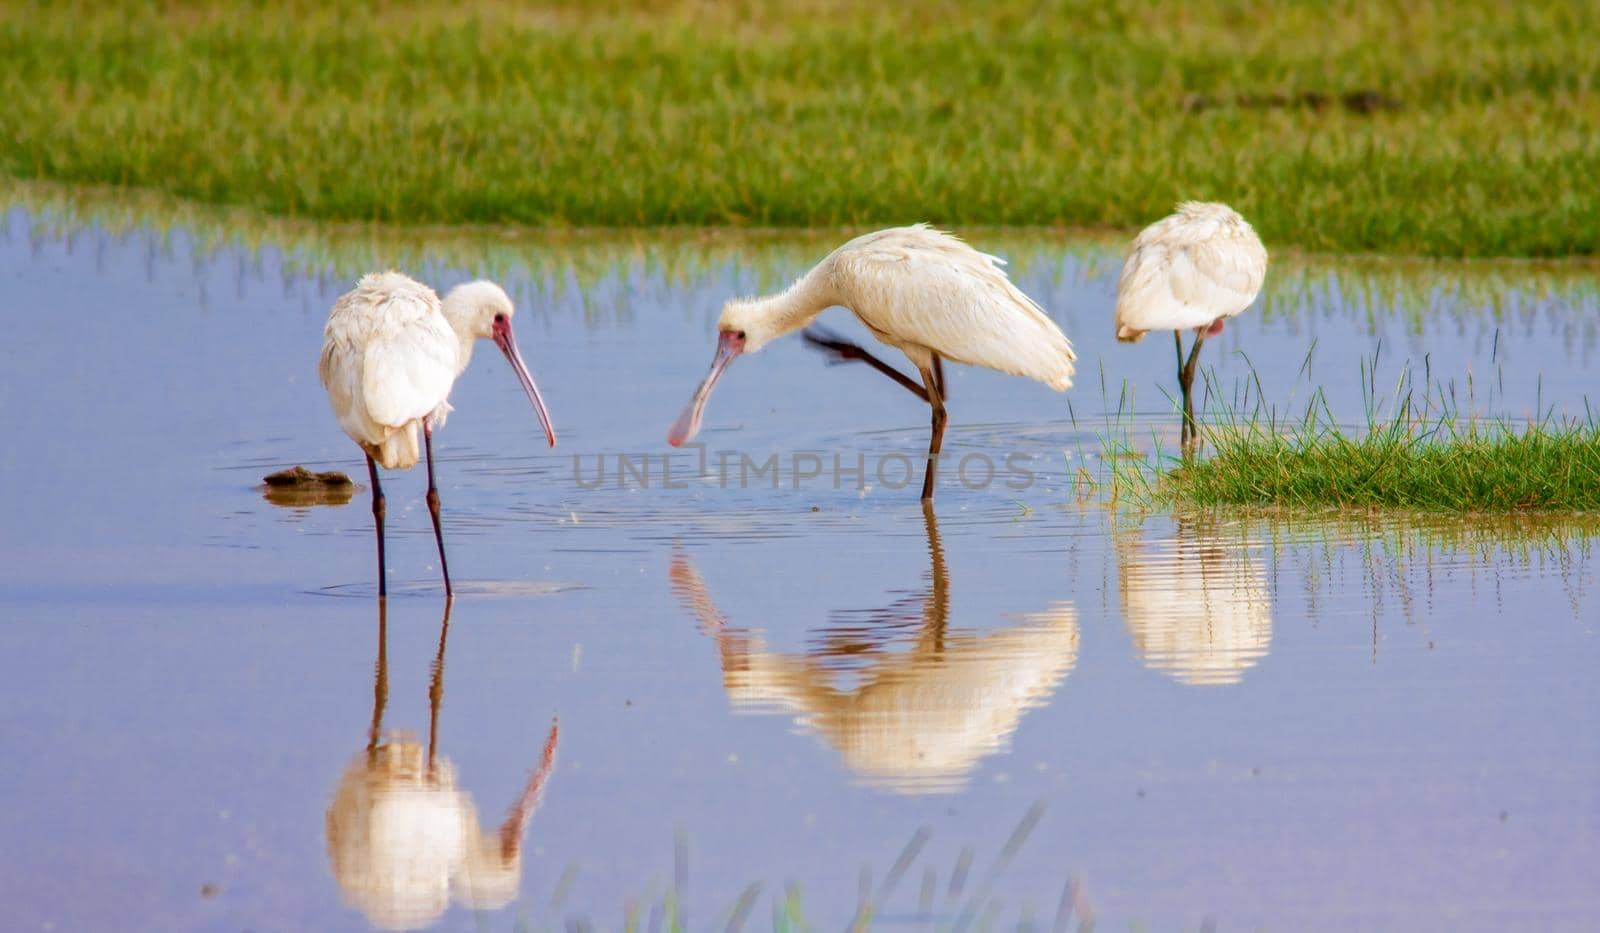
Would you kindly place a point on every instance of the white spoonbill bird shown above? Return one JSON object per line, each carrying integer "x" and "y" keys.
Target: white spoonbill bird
{"x": 390, "y": 353}
{"x": 1195, "y": 268}
{"x": 918, "y": 289}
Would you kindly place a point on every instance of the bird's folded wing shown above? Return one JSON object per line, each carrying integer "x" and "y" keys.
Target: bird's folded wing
{"x": 1187, "y": 283}
{"x": 1218, "y": 275}
{"x": 407, "y": 368}
{"x": 958, "y": 302}
{"x": 341, "y": 376}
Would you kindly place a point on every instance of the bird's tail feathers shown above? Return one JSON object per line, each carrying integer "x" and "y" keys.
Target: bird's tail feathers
{"x": 398, "y": 451}
{"x": 1127, "y": 334}
{"x": 1061, "y": 379}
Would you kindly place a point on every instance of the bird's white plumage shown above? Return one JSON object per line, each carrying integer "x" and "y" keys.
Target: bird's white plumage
{"x": 925, "y": 292}
{"x": 389, "y": 358}
{"x": 920, "y": 289}
{"x": 1202, "y": 264}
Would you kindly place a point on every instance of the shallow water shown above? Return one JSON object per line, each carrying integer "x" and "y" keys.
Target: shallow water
{"x": 1019, "y": 706}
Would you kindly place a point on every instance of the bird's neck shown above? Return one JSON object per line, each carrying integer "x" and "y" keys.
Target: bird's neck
{"x": 464, "y": 345}
{"x": 797, "y": 305}
{"x": 460, "y": 320}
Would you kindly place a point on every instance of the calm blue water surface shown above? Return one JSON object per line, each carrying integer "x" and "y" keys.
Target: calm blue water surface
{"x": 1027, "y": 699}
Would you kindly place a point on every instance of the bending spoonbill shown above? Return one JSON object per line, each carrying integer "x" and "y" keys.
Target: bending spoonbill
{"x": 390, "y": 353}
{"x": 917, "y": 289}
{"x": 1195, "y": 268}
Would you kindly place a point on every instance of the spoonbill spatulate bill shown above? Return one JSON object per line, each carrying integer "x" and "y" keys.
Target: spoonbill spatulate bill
{"x": 390, "y": 353}
{"x": 1193, "y": 269}
{"x": 917, "y": 289}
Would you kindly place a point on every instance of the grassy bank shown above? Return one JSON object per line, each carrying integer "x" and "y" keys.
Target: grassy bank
{"x": 1442, "y": 129}
{"x": 1417, "y": 450}
{"x": 1540, "y": 468}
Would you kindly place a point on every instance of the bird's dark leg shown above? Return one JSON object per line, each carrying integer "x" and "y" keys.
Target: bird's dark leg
{"x": 938, "y": 372}
{"x": 377, "y": 520}
{"x": 436, "y": 686}
{"x": 1191, "y": 430}
{"x": 1183, "y": 434}
{"x": 843, "y": 351}
{"x": 433, "y": 506}
{"x": 380, "y": 681}
{"x": 936, "y": 402}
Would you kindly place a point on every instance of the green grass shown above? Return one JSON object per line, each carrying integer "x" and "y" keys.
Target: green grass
{"x": 810, "y": 112}
{"x": 1423, "y": 455}
{"x": 1539, "y": 468}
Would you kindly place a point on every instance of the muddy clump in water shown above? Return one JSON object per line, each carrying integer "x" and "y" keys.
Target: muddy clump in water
{"x": 300, "y": 488}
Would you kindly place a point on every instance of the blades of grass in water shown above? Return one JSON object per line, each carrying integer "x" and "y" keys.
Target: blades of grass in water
{"x": 1417, "y": 450}
{"x": 1008, "y": 851}
{"x": 958, "y": 876}
{"x": 913, "y": 848}
{"x": 741, "y": 907}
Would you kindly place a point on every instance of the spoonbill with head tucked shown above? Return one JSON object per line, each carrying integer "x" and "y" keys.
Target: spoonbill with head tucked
{"x": 917, "y": 289}
{"x": 390, "y": 353}
{"x": 1195, "y": 268}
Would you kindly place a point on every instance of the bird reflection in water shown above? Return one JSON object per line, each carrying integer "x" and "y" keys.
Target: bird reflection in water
{"x": 404, "y": 839}
{"x": 1196, "y": 604}
{"x": 910, "y": 704}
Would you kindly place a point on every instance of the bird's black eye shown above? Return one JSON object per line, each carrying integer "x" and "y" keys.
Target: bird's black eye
{"x": 499, "y": 318}
{"x": 740, "y": 334}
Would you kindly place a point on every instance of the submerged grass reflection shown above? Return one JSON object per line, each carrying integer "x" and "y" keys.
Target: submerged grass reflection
{"x": 959, "y": 896}
{"x": 547, "y": 264}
